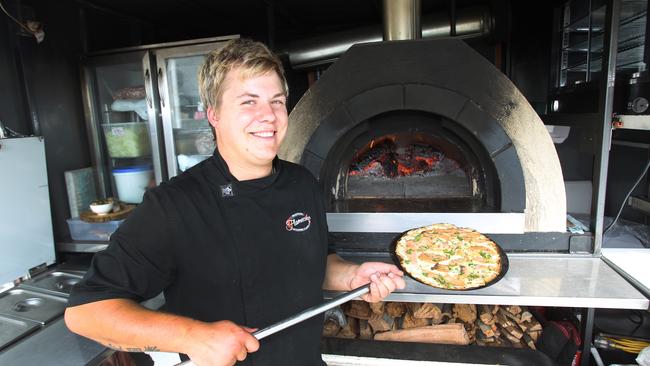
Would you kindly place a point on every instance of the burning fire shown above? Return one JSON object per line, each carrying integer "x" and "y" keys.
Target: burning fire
{"x": 386, "y": 160}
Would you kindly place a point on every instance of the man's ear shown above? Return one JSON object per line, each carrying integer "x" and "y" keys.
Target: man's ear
{"x": 213, "y": 116}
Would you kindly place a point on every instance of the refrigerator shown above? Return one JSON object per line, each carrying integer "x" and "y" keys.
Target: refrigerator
{"x": 143, "y": 113}
{"x": 26, "y": 238}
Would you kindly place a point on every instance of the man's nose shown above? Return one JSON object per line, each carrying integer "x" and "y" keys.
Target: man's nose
{"x": 266, "y": 113}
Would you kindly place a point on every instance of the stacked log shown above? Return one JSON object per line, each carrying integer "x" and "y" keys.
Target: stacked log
{"x": 461, "y": 324}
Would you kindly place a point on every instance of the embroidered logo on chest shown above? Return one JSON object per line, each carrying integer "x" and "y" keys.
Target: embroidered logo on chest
{"x": 226, "y": 190}
{"x": 298, "y": 222}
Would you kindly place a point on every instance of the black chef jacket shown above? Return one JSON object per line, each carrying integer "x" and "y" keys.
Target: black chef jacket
{"x": 253, "y": 252}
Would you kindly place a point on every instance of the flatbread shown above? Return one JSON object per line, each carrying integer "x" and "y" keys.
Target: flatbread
{"x": 449, "y": 257}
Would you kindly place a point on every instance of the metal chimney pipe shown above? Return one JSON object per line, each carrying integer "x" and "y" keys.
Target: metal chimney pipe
{"x": 305, "y": 53}
{"x": 402, "y": 20}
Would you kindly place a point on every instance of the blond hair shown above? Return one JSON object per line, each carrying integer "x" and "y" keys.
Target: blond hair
{"x": 253, "y": 57}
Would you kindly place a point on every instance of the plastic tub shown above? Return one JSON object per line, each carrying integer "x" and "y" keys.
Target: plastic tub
{"x": 127, "y": 140}
{"x": 131, "y": 182}
{"x": 81, "y": 230}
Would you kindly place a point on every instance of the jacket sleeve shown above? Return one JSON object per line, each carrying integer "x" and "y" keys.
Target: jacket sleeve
{"x": 139, "y": 261}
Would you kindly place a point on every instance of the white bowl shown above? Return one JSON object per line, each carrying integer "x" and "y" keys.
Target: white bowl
{"x": 102, "y": 207}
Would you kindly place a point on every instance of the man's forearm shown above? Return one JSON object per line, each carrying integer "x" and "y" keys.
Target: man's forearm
{"x": 126, "y": 326}
{"x": 339, "y": 273}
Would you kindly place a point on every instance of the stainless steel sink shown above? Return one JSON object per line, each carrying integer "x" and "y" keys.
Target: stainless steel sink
{"x": 31, "y": 305}
{"x": 12, "y": 329}
{"x": 55, "y": 282}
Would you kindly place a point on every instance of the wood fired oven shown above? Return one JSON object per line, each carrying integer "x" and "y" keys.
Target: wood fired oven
{"x": 407, "y": 133}
{"x": 426, "y": 126}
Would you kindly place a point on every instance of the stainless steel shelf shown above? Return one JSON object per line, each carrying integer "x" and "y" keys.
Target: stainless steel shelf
{"x": 535, "y": 280}
{"x": 631, "y": 264}
{"x": 73, "y": 246}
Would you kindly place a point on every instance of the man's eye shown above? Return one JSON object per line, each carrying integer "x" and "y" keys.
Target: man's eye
{"x": 248, "y": 102}
{"x": 278, "y": 102}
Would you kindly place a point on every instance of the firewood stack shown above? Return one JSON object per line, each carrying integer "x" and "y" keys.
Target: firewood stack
{"x": 461, "y": 324}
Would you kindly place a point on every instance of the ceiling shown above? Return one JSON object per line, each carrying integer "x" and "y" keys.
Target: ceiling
{"x": 271, "y": 20}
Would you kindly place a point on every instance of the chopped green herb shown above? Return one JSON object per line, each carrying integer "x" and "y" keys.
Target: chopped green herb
{"x": 442, "y": 280}
{"x": 484, "y": 255}
{"x": 459, "y": 237}
{"x": 449, "y": 252}
{"x": 471, "y": 264}
{"x": 409, "y": 251}
{"x": 407, "y": 261}
{"x": 418, "y": 237}
{"x": 472, "y": 276}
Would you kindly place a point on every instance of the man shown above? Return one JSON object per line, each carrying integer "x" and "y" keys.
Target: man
{"x": 236, "y": 243}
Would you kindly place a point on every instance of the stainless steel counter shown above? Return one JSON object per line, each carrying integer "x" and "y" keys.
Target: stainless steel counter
{"x": 535, "y": 280}
{"x": 632, "y": 264}
{"x": 53, "y": 345}
{"x": 532, "y": 279}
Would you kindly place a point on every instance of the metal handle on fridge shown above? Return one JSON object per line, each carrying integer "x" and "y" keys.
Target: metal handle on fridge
{"x": 161, "y": 89}
{"x": 147, "y": 82}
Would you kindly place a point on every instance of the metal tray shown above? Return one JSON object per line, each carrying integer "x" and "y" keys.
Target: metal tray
{"x": 12, "y": 329}
{"x": 505, "y": 264}
{"x": 55, "y": 282}
{"x": 31, "y": 305}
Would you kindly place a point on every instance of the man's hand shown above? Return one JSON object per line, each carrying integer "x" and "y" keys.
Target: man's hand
{"x": 220, "y": 343}
{"x": 384, "y": 279}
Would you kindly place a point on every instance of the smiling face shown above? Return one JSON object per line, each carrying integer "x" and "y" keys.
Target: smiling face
{"x": 250, "y": 122}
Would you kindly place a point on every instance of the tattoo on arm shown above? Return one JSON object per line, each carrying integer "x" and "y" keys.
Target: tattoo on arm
{"x": 133, "y": 349}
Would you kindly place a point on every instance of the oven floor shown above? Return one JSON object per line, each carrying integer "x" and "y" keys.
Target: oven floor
{"x": 410, "y": 205}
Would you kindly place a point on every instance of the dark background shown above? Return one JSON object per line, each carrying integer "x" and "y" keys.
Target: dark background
{"x": 40, "y": 91}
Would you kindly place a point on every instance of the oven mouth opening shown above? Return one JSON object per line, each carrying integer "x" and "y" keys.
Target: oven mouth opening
{"x": 405, "y": 165}
{"x": 410, "y": 161}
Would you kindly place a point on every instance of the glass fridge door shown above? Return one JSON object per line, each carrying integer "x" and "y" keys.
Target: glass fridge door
{"x": 121, "y": 126}
{"x": 187, "y": 133}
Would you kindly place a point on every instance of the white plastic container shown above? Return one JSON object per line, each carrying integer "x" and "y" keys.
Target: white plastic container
{"x": 131, "y": 182}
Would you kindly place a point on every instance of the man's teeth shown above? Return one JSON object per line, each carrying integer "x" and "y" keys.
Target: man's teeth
{"x": 264, "y": 134}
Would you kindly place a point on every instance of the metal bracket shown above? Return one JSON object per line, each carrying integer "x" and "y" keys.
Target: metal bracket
{"x": 35, "y": 271}
{"x": 581, "y": 244}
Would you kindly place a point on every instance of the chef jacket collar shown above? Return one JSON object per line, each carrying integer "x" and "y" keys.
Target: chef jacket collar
{"x": 244, "y": 185}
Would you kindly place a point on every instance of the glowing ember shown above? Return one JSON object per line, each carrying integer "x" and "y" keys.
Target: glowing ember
{"x": 385, "y": 159}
